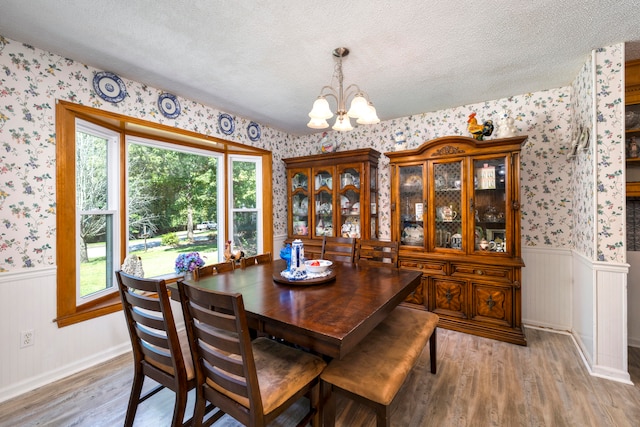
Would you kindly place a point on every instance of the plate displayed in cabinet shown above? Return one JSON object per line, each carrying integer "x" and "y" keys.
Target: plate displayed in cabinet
{"x": 169, "y": 105}
{"x": 109, "y": 86}
{"x": 227, "y": 126}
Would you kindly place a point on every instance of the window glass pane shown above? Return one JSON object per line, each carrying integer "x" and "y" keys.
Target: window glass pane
{"x": 96, "y": 254}
{"x": 246, "y": 232}
{"x": 244, "y": 185}
{"x": 172, "y": 205}
{"x": 96, "y": 179}
{"x": 91, "y": 172}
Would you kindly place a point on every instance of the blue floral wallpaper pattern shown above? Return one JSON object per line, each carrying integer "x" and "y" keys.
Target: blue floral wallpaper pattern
{"x": 556, "y": 193}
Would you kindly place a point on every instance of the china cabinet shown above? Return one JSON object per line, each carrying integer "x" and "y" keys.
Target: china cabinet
{"x": 632, "y": 152}
{"x": 455, "y": 209}
{"x": 333, "y": 195}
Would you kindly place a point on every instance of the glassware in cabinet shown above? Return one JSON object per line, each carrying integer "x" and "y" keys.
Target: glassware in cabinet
{"x": 350, "y": 202}
{"x": 299, "y": 200}
{"x": 490, "y": 205}
{"x": 411, "y": 204}
{"x": 446, "y": 216}
{"x": 323, "y": 198}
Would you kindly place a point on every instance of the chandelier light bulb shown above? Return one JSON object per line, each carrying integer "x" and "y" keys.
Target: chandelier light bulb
{"x": 359, "y": 107}
{"x": 318, "y": 124}
{"x": 343, "y": 123}
{"x": 321, "y": 109}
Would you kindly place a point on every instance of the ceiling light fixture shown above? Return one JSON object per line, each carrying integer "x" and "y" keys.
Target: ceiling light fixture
{"x": 361, "y": 107}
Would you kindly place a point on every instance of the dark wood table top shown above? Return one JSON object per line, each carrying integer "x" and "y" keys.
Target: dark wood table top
{"x": 329, "y": 318}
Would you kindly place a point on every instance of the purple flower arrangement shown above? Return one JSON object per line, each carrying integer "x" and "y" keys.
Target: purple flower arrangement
{"x": 188, "y": 262}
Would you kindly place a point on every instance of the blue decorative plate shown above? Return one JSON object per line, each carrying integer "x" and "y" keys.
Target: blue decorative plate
{"x": 253, "y": 130}
{"x": 169, "y": 105}
{"x": 226, "y": 124}
{"x": 109, "y": 87}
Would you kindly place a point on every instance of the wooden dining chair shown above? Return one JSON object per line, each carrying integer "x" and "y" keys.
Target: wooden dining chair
{"x": 378, "y": 253}
{"x": 252, "y": 381}
{"x": 159, "y": 351}
{"x": 264, "y": 258}
{"x": 211, "y": 269}
{"x": 338, "y": 249}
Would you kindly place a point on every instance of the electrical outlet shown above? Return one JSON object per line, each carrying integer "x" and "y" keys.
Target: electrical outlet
{"x": 26, "y": 338}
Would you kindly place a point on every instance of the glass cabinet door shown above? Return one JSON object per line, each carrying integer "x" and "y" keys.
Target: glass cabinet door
{"x": 300, "y": 203}
{"x": 411, "y": 205}
{"x": 323, "y": 198}
{"x": 490, "y": 205}
{"x": 447, "y": 215}
{"x": 350, "y": 209}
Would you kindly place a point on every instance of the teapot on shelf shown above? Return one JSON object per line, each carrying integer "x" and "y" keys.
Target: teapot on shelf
{"x": 446, "y": 213}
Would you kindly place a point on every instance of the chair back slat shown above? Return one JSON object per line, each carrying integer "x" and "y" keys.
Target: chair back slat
{"x": 338, "y": 249}
{"x": 264, "y": 258}
{"x": 211, "y": 269}
{"x": 378, "y": 253}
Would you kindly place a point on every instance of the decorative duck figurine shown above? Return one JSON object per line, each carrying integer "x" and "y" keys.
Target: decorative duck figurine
{"x": 479, "y": 131}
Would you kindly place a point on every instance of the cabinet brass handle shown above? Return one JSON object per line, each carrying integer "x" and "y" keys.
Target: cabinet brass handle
{"x": 479, "y": 272}
{"x": 516, "y": 284}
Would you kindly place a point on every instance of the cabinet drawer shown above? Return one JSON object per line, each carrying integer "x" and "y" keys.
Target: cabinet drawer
{"x": 492, "y": 304}
{"x": 431, "y": 267}
{"x": 448, "y": 297}
{"x": 476, "y": 271}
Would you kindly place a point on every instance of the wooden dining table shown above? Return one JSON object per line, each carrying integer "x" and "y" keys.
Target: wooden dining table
{"x": 329, "y": 318}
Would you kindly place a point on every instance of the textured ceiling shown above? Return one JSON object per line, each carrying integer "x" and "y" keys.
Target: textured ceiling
{"x": 267, "y": 60}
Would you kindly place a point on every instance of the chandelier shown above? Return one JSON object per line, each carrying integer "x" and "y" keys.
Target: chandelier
{"x": 360, "y": 109}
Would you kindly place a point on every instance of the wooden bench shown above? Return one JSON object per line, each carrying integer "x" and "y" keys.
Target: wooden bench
{"x": 373, "y": 372}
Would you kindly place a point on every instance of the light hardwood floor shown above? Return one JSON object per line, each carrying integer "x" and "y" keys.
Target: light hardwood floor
{"x": 480, "y": 382}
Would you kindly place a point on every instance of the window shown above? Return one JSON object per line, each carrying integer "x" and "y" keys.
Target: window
{"x": 127, "y": 186}
{"x": 97, "y": 219}
{"x": 246, "y": 204}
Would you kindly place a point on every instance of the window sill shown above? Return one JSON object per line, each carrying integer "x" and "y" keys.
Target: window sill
{"x": 107, "y": 305}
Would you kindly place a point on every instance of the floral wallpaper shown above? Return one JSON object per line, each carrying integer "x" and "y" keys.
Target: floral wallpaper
{"x": 610, "y": 156}
{"x": 556, "y": 192}
{"x": 31, "y": 80}
{"x": 583, "y": 179}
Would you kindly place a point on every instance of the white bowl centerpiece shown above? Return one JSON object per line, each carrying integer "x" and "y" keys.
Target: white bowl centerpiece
{"x": 317, "y": 266}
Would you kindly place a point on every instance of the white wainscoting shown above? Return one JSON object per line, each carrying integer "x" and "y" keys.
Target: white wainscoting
{"x": 29, "y": 302}
{"x": 546, "y": 288}
{"x": 600, "y": 316}
{"x": 583, "y": 307}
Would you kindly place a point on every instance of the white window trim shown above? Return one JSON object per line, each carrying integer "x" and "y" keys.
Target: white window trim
{"x": 259, "y": 200}
{"x": 113, "y": 186}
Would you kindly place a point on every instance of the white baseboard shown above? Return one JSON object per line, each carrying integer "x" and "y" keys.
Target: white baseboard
{"x": 32, "y": 383}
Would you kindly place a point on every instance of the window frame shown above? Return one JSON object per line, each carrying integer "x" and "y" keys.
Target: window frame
{"x": 69, "y": 311}
{"x": 259, "y": 196}
{"x": 112, "y": 208}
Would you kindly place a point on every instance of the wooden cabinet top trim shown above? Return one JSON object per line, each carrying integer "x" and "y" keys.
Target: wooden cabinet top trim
{"x": 351, "y": 156}
{"x": 455, "y": 145}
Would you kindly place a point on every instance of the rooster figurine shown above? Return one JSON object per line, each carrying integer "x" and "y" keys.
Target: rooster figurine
{"x": 231, "y": 255}
{"x": 479, "y": 131}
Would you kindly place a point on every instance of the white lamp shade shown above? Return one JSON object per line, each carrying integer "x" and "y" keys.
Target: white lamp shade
{"x": 343, "y": 123}
{"x": 318, "y": 124}
{"x": 321, "y": 109}
{"x": 370, "y": 118}
{"x": 359, "y": 107}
